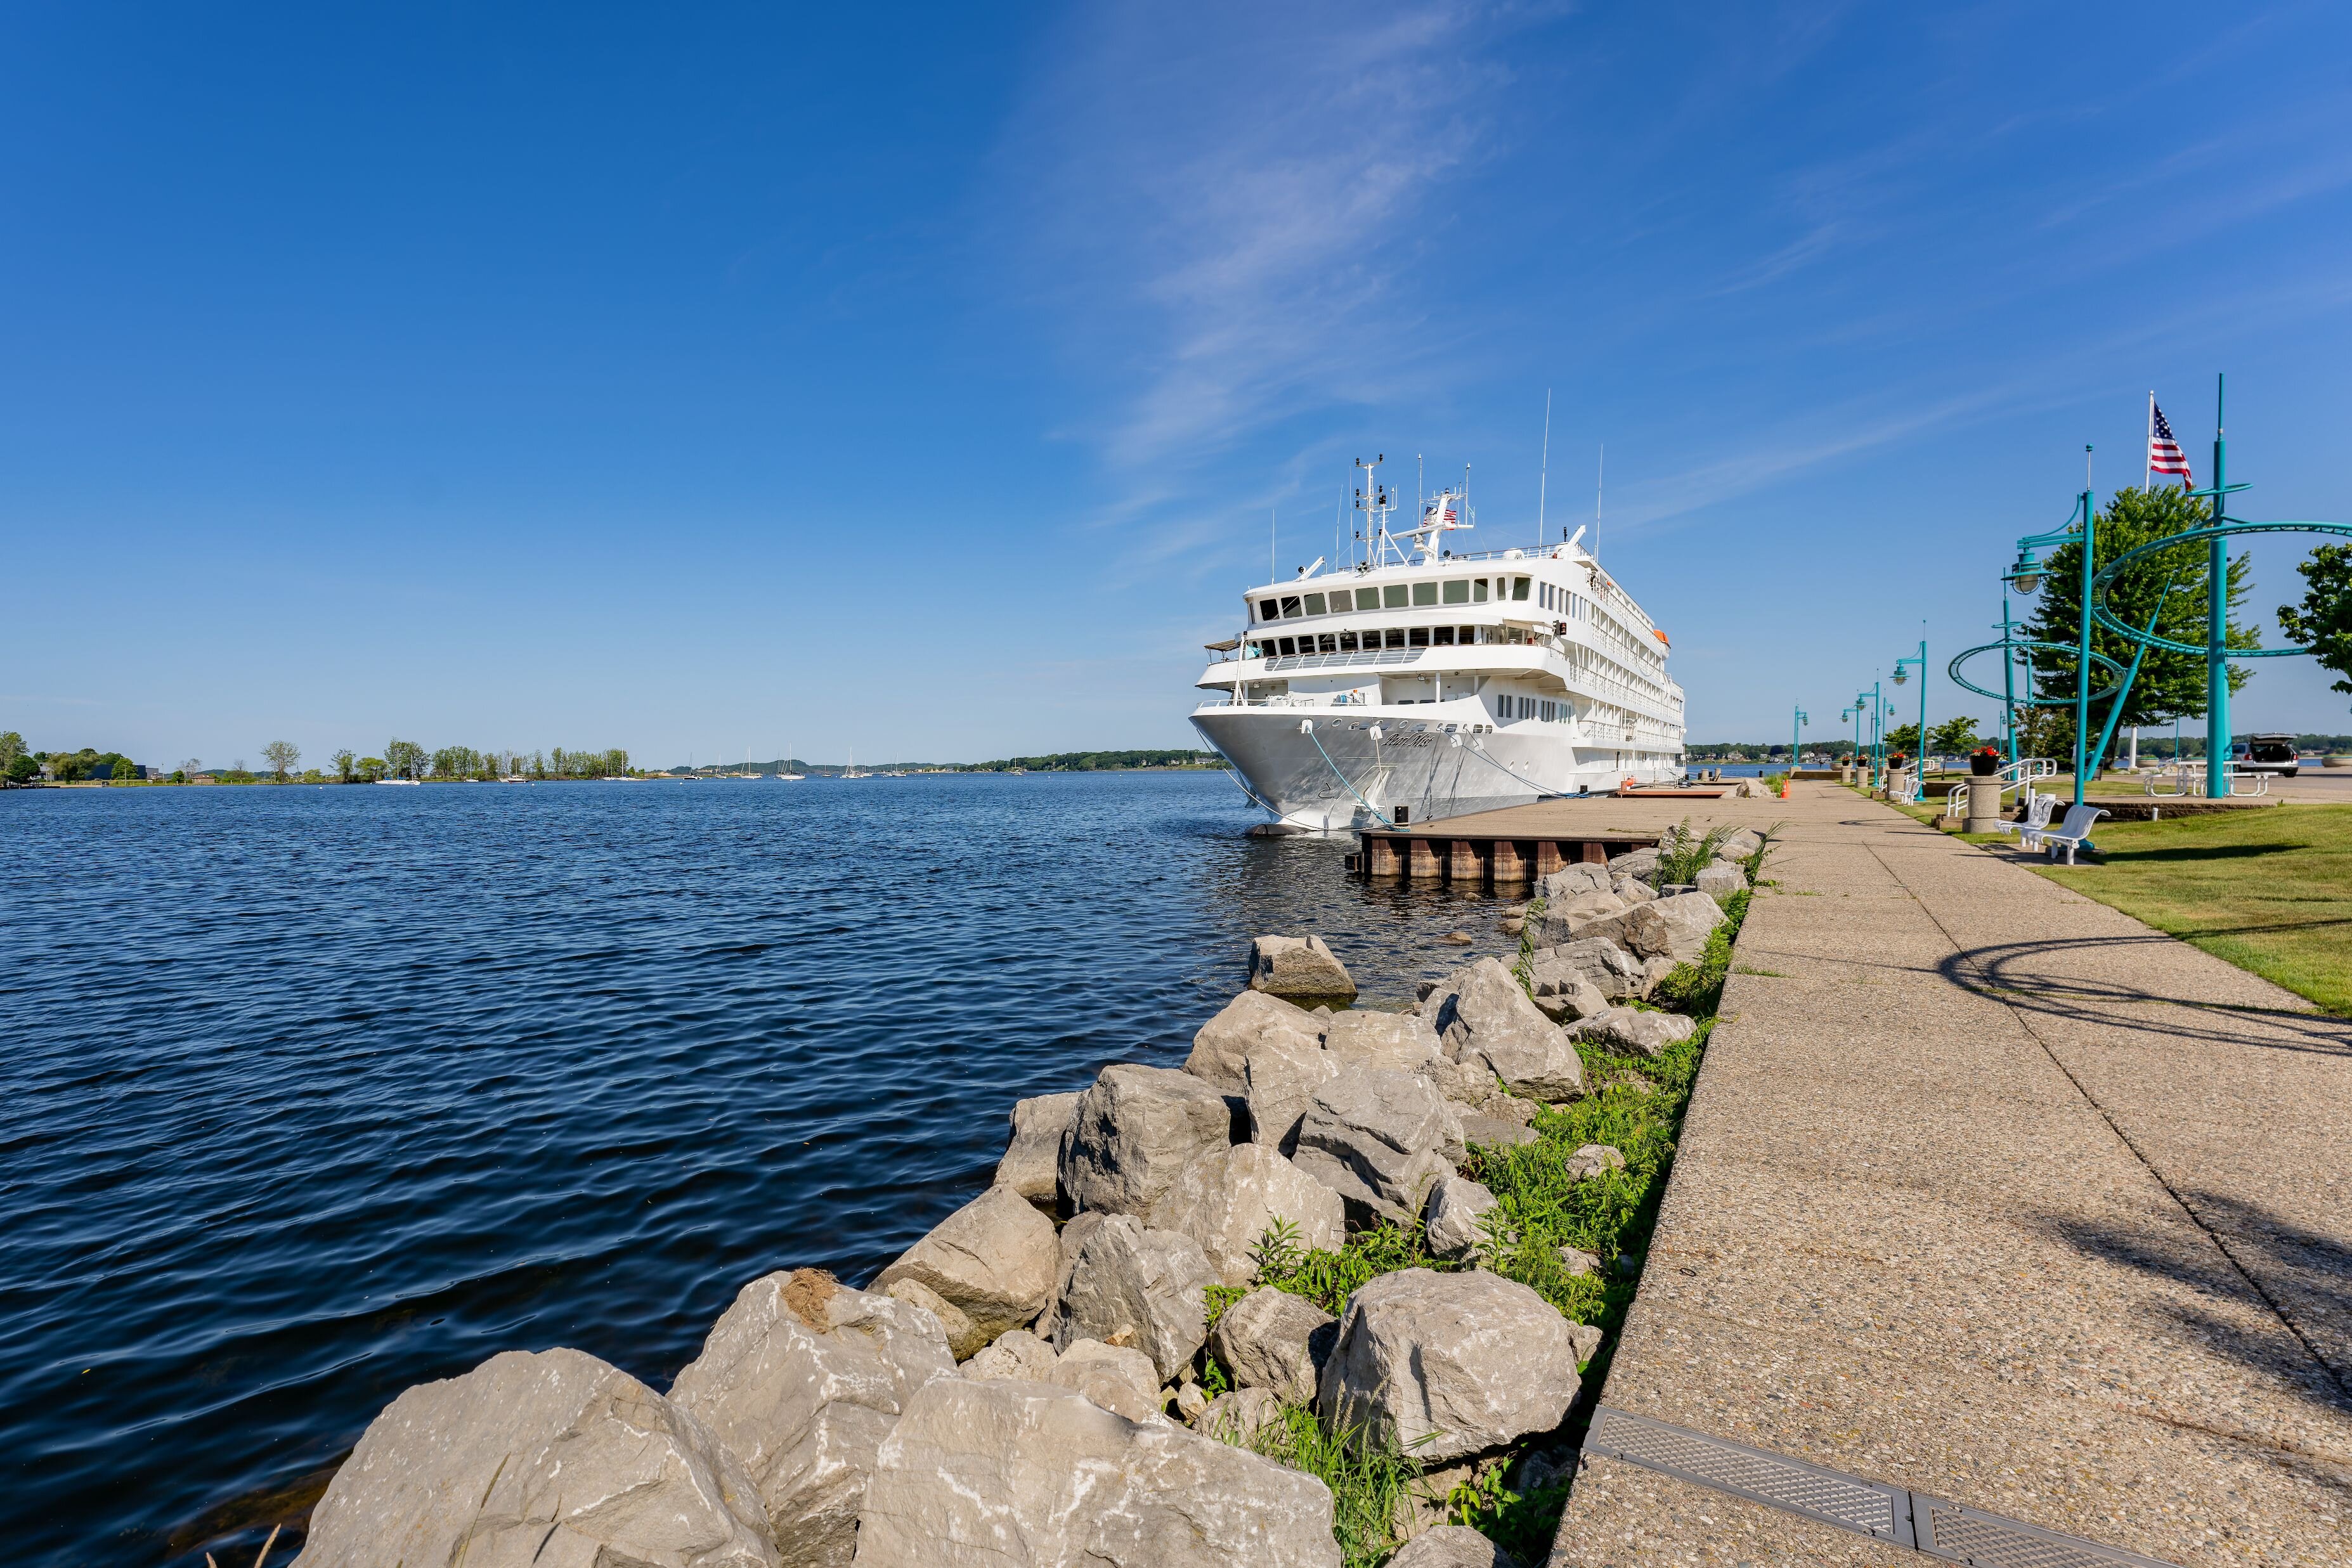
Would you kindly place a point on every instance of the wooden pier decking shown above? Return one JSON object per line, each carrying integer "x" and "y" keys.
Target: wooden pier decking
{"x": 1498, "y": 849}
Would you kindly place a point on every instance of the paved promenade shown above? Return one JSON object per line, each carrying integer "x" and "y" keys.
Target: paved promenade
{"x": 1990, "y": 1192}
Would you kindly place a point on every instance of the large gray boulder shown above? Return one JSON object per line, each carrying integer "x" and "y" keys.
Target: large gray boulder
{"x": 1016, "y": 1353}
{"x": 1719, "y": 881}
{"x": 1253, "y": 1021}
{"x": 1299, "y": 968}
{"x": 1456, "y": 1207}
{"x": 1490, "y": 1019}
{"x": 1399, "y": 1042}
{"x": 1074, "y": 1239}
{"x": 1676, "y": 928}
{"x": 1639, "y": 864}
{"x": 1229, "y": 1200}
{"x": 1278, "y": 1080}
{"x": 1033, "y": 1161}
{"x": 1560, "y": 922}
{"x": 1495, "y": 1132}
{"x": 1571, "y": 882}
{"x": 1272, "y": 1339}
{"x": 1632, "y": 889}
{"x": 1635, "y": 1032}
{"x": 1239, "y": 1416}
{"x": 1025, "y": 1475}
{"x": 802, "y": 1379}
{"x": 547, "y": 1458}
{"x": 1378, "y": 1140}
{"x": 1448, "y": 1365}
{"x": 1134, "y": 1133}
{"x": 1139, "y": 1287}
{"x": 1452, "y": 1546}
{"x": 1468, "y": 1084}
{"x": 1565, "y": 996}
{"x": 994, "y": 1260}
{"x": 1599, "y": 962}
{"x": 1116, "y": 1376}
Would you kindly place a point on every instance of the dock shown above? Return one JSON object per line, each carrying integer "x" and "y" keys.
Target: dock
{"x": 1505, "y": 848}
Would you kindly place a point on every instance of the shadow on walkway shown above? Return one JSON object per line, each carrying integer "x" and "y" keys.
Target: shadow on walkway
{"x": 2307, "y": 1357}
{"x": 2033, "y": 978}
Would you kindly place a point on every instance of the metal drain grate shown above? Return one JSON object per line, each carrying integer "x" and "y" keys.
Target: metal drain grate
{"x": 1935, "y": 1525}
{"x": 1970, "y": 1535}
{"x": 1847, "y": 1502}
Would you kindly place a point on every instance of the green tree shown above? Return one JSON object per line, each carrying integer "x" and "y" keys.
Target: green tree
{"x": 405, "y": 758}
{"x": 12, "y": 747}
{"x": 1952, "y": 738}
{"x": 1903, "y": 740}
{"x": 374, "y": 768}
{"x": 281, "y": 756}
{"x": 2322, "y": 622}
{"x": 22, "y": 768}
{"x": 2169, "y": 686}
{"x": 345, "y": 765}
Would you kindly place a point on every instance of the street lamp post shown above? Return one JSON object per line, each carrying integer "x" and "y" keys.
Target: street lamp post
{"x": 2008, "y": 677}
{"x": 1854, "y": 712}
{"x": 2025, "y": 575}
{"x": 1796, "y": 739}
{"x": 1920, "y": 751}
{"x": 1868, "y": 702}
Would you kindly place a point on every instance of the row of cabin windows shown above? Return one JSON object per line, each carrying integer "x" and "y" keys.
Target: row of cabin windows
{"x": 1574, "y": 606}
{"x": 1510, "y": 709}
{"x": 1372, "y": 642}
{"x": 1395, "y": 596}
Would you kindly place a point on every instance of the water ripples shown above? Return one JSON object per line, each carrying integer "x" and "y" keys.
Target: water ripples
{"x": 316, "y": 1094}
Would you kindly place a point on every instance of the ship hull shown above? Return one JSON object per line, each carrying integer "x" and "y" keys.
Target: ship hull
{"x": 1363, "y": 766}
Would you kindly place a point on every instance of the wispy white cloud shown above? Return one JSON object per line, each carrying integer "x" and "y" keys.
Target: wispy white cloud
{"x": 1229, "y": 208}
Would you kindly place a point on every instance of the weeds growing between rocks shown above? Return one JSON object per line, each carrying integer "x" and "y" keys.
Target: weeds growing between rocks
{"x": 1544, "y": 1203}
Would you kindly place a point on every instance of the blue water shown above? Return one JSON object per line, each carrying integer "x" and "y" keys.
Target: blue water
{"x": 314, "y": 1094}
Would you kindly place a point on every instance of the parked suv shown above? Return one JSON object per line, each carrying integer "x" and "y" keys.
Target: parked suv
{"x": 2264, "y": 754}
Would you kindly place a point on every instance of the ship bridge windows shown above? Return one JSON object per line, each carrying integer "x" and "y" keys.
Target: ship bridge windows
{"x": 1427, "y": 595}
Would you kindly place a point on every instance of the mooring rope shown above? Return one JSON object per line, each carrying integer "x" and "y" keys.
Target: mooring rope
{"x": 1309, "y": 726}
{"x": 1479, "y": 752}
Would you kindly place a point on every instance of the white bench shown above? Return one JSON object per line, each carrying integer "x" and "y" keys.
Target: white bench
{"x": 2038, "y": 808}
{"x": 2074, "y": 832}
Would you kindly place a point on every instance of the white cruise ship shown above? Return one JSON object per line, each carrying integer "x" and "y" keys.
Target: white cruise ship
{"x": 1420, "y": 682}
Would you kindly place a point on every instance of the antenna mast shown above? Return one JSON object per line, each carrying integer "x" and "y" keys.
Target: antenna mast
{"x": 1599, "y": 472}
{"x": 1543, "y": 472}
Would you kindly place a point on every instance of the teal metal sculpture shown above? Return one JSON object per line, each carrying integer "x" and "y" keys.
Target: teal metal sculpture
{"x": 2025, "y": 575}
{"x": 2215, "y": 649}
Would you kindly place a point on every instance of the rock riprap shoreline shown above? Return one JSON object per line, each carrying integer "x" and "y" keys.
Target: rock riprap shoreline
{"x": 1323, "y": 1296}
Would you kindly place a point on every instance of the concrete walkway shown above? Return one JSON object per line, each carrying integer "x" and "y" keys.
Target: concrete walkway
{"x": 1990, "y": 1192}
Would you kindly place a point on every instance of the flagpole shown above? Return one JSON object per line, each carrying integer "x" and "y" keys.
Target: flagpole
{"x": 2148, "y": 481}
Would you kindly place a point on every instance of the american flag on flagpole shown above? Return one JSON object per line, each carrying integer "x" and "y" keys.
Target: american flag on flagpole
{"x": 2164, "y": 453}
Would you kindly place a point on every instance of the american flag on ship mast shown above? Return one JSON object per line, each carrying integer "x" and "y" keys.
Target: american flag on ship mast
{"x": 2164, "y": 453}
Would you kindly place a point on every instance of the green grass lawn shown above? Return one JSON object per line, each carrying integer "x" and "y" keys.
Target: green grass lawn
{"x": 2270, "y": 891}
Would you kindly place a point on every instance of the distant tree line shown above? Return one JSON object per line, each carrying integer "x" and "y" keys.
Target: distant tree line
{"x": 1096, "y": 761}
{"x": 283, "y": 759}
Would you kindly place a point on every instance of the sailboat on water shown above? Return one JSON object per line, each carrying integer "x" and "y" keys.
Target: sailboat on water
{"x": 850, "y": 771}
{"x": 782, "y": 763}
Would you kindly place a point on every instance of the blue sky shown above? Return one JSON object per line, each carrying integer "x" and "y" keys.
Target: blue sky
{"x": 705, "y": 379}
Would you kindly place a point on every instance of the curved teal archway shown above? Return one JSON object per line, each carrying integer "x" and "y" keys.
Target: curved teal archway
{"x": 2012, "y": 645}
